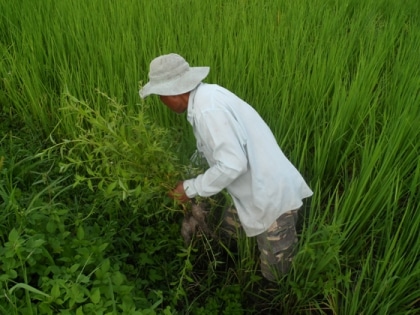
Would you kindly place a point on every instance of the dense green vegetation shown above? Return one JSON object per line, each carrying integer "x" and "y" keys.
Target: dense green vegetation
{"x": 85, "y": 223}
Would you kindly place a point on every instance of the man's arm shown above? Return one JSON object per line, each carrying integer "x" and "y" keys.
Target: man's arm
{"x": 224, "y": 148}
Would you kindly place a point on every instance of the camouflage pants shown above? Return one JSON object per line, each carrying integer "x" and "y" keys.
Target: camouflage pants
{"x": 276, "y": 245}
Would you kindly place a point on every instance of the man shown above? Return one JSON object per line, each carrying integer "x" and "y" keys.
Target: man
{"x": 243, "y": 156}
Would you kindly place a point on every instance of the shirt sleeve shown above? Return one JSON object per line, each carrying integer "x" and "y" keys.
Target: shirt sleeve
{"x": 222, "y": 142}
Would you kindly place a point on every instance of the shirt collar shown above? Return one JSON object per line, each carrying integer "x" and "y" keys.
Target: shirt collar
{"x": 190, "y": 109}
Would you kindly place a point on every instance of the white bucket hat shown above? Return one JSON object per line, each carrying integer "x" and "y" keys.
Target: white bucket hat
{"x": 172, "y": 75}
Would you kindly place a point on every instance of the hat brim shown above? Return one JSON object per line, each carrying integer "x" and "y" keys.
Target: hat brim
{"x": 179, "y": 85}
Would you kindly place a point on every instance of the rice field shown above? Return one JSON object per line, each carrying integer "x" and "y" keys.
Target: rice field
{"x": 85, "y": 164}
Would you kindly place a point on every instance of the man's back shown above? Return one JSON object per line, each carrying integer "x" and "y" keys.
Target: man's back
{"x": 230, "y": 133}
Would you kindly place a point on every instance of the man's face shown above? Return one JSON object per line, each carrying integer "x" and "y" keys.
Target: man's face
{"x": 175, "y": 103}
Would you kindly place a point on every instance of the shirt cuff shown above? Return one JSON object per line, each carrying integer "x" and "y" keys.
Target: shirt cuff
{"x": 189, "y": 188}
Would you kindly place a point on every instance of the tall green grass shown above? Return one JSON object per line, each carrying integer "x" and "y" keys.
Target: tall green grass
{"x": 337, "y": 81}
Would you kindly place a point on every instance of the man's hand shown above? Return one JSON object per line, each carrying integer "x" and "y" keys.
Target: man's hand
{"x": 179, "y": 194}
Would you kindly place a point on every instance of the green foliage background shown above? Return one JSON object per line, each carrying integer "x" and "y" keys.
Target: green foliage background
{"x": 85, "y": 224}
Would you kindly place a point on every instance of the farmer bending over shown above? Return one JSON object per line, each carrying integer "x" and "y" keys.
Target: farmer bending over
{"x": 243, "y": 156}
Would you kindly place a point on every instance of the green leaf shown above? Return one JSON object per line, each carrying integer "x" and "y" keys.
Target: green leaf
{"x": 111, "y": 187}
{"x": 12, "y": 273}
{"x": 105, "y": 266}
{"x": 155, "y": 275}
{"x": 74, "y": 268}
{"x": 118, "y": 278}
{"x": 13, "y": 235}
{"x": 38, "y": 243}
{"x": 90, "y": 185}
{"x": 102, "y": 247}
{"x": 79, "y": 311}
{"x": 80, "y": 233}
{"x": 83, "y": 278}
{"x": 95, "y": 295}
{"x": 51, "y": 226}
{"x": 4, "y": 277}
{"x": 79, "y": 178}
{"x": 27, "y": 288}
{"x": 55, "y": 291}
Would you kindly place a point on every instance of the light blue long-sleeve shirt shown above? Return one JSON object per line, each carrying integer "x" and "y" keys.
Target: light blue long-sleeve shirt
{"x": 244, "y": 158}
